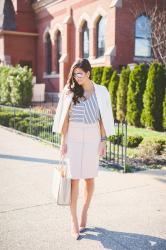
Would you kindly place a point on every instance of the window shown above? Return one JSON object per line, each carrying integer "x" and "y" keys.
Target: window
{"x": 8, "y": 16}
{"x": 85, "y": 40}
{"x": 48, "y": 50}
{"x": 143, "y": 36}
{"x": 59, "y": 50}
{"x": 100, "y": 39}
{"x": 25, "y": 63}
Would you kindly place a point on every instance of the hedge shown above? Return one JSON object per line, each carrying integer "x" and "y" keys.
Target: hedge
{"x": 97, "y": 73}
{"x": 136, "y": 88}
{"x": 106, "y": 77}
{"x": 112, "y": 88}
{"x": 16, "y": 85}
{"x": 152, "y": 115}
{"x": 122, "y": 94}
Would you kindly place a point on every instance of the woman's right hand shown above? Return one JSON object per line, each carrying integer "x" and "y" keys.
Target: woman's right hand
{"x": 63, "y": 149}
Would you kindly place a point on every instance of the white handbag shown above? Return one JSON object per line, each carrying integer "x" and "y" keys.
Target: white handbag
{"x": 61, "y": 184}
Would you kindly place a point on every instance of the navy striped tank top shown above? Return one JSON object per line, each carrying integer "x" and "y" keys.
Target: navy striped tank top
{"x": 87, "y": 111}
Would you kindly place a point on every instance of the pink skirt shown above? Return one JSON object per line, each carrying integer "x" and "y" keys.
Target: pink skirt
{"x": 83, "y": 149}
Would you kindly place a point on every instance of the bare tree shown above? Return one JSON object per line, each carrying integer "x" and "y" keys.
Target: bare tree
{"x": 157, "y": 15}
{"x": 158, "y": 24}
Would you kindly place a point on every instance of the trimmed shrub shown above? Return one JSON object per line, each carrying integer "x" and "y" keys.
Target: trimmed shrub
{"x": 5, "y": 88}
{"x": 14, "y": 121}
{"x": 134, "y": 141}
{"x": 92, "y": 72}
{"x": 16, "y": 85}
{"x": 149, "y": 148}
{"x": 116, "y": 139}
{"x": 164, "y": 111}
{"x": 23, "y": 126}
{"x": 21, "y": 85}
{"x": 152, "y": 114}
{"x": 136, "y": 88}
{"x": 97, "y": 73}
{"x": 22, "y": 114}
{"x": 122, "y": 94}
{"x": 5, "y": 117}
{"x": 106, "y": 77}
{"x": 112, "y": 88}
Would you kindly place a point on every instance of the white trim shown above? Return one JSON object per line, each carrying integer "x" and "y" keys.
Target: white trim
{"x": 40, "y": 5}
{"x": 45, "y": 76}
{"x": 18, "y": 33}
{"x": 98, "y": 61}
{"x": 116, "y": 4}
{"x": 142, "y": 59}
{"x": 47, "y": 30}
{"x": 54, "y": 31}
{"x": 84, "y": 17}
{"x": 67, "y": 20}
{"x": 110, "y": 51}
{"x": 63, "y": 58}
{"x": 100, "y": 12}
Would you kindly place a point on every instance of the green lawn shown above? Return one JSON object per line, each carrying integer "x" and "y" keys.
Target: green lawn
{"x": 145, "y": 133}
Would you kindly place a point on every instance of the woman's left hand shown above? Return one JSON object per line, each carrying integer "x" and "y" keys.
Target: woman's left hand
{"x": 102, "y": 148}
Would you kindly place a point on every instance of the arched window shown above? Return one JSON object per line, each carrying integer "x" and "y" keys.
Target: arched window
{"x": 59, "y": 50}
{"x": 9, "y": 22}
{"x": 100, "y": 38}
{"x": 143, "y": 36}
{"x": 48, "y": 50}
{"x": 85, "y": 40}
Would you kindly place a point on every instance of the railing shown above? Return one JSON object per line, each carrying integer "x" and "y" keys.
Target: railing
{"x": 39, "y": 124}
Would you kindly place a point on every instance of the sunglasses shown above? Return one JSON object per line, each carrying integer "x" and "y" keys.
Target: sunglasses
{"x": 79, "y": 75}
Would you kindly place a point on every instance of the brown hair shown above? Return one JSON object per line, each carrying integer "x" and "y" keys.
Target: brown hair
{"x": 73, "y": 84}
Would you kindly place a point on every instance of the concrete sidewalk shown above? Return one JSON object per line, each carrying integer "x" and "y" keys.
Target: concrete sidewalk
{"x": 127, "y": 212}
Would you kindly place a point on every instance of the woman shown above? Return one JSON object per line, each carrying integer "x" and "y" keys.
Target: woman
{"x": 84, "y": 119}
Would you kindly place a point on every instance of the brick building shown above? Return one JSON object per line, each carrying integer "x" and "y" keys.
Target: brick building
{"x": 48, "y": 35}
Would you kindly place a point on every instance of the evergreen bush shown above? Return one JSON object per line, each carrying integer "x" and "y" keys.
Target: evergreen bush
{"x": 164, "y": 111}
{"x": 21, "y": 85}
{"x": 97, "y": 74}
{"x": 106, "y": 77}
{"x": 152, "y": 114}
{"x": 122, "y": 94}
{"x": 112, "y": 88}
{"x": 134, "y": 141}
{"x": 136, "y": 88}
{"x": 15, "y": 85}
{"x": 5, "y": 88}
{"x": 5, "y": 118}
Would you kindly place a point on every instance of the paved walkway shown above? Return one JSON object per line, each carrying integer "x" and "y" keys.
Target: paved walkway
{"x": 128, "y": 211}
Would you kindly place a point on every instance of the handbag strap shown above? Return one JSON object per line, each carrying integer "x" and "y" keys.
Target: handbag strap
{"x": 63, "y": 170}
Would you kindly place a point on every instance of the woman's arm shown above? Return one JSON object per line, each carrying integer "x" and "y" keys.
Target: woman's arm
{"x": 63, "y": 145}
{"x": 102, "y": 129}
{"x": 102, "y": 144}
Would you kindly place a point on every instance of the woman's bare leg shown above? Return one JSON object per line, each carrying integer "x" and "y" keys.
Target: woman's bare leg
{"x": 88, "y": 192}
{"x": 73, "y": 205}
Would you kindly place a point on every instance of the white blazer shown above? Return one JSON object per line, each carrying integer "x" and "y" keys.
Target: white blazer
{"x": 104, "y": 103}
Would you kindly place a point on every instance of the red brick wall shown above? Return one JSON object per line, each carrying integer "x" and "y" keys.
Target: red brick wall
{"x": 21, "y": 47}
{"x": 125, "y": 29}
{"x": 55, "y": 15}
{"x": 68, "y": 17}
{"x": 25, "y": 16}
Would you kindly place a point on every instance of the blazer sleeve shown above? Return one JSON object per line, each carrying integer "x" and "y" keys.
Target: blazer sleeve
{"x": 110, "y": 112}
{"x": 57, "y": 116}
